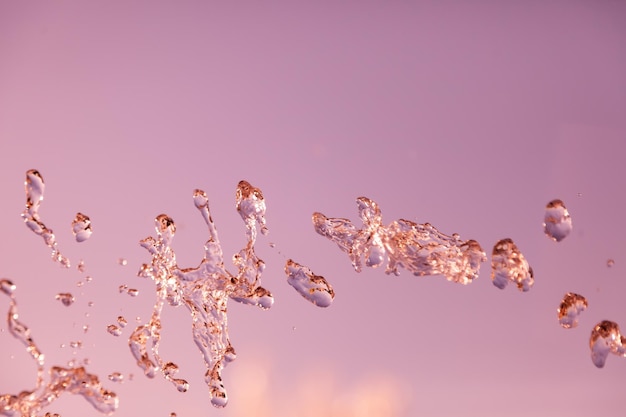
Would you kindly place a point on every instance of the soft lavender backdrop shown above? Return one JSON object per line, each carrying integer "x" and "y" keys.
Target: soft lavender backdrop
{"x": 469, "y": 115}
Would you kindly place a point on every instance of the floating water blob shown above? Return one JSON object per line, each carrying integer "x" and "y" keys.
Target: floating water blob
{"x": 74, "y": 380}
{"x": 204, "y": 290}
{"x": 509, "y": 265}
{"x": 570, "y": 308}
{"x": 557, "y": 223}
{"x": 81, "y": 227}
{"x": 34, "y": 187}
{"x": 606, "y": 338}
{"x": 419, "y": 248}
{"x": 312, "y": 287}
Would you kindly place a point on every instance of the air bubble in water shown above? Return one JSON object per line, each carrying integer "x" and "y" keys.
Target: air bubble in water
{"x": 312, "y": 287}
{"x": 509, "y": 265}
{"x": 34, "y": 187}
{"x": 204, "y": 290}
{"x": 570, "y": 308}
{"x": 419, "y": 248}
{"x": 557, "y": 223}
{"x": 606, "y": 338}
{"x": 81, "y": 227}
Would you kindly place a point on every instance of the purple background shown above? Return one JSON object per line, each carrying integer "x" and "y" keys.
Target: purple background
{"x": 468, "y": 115}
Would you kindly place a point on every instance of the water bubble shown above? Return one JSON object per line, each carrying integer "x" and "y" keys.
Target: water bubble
{"x": 312, "y": 287}
{"x": 81, "y": 227}
{"x": 65, "y": 297}
{"x": 570, "y": 308}
{"x": 114, "y": 330}
{"x": 419, "y": 248}
{"x": 610, "y": 263}
{"x": 509, "y": 265}
{"x": 606, "y": 338}
{"x": 557, "y": 223}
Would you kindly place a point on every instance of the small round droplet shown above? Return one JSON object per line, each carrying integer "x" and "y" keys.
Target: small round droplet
{"x": 7, "y": 287}
{"x": 122, "y": 262}
{"x": 66, "y": 298}
{"x": 116, "y": 377}
{"x": 122, "y": 321}
{"x": 610, "y": 263}
{"x": 122, "y": 288}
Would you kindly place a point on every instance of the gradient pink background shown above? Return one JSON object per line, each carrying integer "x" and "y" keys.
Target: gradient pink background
{"x": 468, "y": 115}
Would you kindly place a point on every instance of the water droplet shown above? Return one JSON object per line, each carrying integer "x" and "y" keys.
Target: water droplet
{"x": 606, "y": 338}
{"x": 80, "y": 284}
{"x": 81, "y": 227}
{"x": 122, "y": 288}
{"x": 272, "y": 245}
{"x": 65, "y": 297}
{"x": 116, "y": 377}
{"x": 90, "y": 304}
{"x": 172, "y": 414}
{"x": 570, "y": 308}
{"x": 557, "y": 223}
{"x": 133, "y": 292}
{"x": 419, "y": 248}
{"x": 312, "y": 287}
{"x": 81, "y": 266}
{"x": 114, "y": 330}
{"x": 509, "y": 265}
{"x": 122, "y": 321}
{"x": 7, "y": 287}
{"x": 76, "y": 345}
{"x": 88, "y": 278}
{"x": 610, "y": 263}
{"x": 122, "y": 262}
{"x": 85, "y": 328}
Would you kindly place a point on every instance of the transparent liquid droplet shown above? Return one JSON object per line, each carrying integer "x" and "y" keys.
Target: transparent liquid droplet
{"x": 114, "y": 330}
{"x": 312, "y": 287}
{"x": 570, "y": 308}
{"x": 116, "y": 377}
{"x": 610, "y": 263}
{"x": 122, "y": 262}
{"x": 81, "y": 266}
{"x": 605, "y": 339}
{"x": 132, "y": 292}
{"x": 419, "y": 248}
{"x": 122, "y": 321}
{"x": 509, "y": 265}
{"x": 557, "y": 223}
{"x": 81, "y": 227}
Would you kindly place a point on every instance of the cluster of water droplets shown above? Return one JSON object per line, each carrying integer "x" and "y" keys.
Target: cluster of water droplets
{"x": 419, "y": 248}
{"x": 204, "y": 290}
{"x": 606, "y": 338}
{"x": 557, "y": 222}
{"x": 73, "y": 380}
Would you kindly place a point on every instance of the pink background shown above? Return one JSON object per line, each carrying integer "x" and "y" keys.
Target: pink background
{"x": 468, "y": 115}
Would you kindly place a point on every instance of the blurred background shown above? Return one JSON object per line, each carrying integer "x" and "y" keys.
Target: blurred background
{"x": 469, "y": 115}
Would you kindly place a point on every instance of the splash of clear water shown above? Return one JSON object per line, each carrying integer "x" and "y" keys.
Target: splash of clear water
{"x": 419, "y": 248}
{"x": 508, "y": 264}
{"x": 81, "y": 227}
{"x": 74, "y": 380}
{"x": 34, "y": 187}
{"x": 204, "y": 290}
{"x": 570, "y": 308}
{"x": 557, "y": 222}
{"x": 312, "y": 287}
{"x": 606, "y": 338}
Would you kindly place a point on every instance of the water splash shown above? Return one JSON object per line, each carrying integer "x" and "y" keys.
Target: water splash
{"x": 557, "y": 223}
{"x": 419, "y": 248}
{"x": 204, "y": 290}
{"x": 75, "y": 380}
{"x": 570, "y": 308}
{"x": 35, "y": 187}
{"x": 509, "y": 265}
{"x": 81, "y": 227}
{"x": 606, "y": 338}
{"x": 312, "y": 287}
